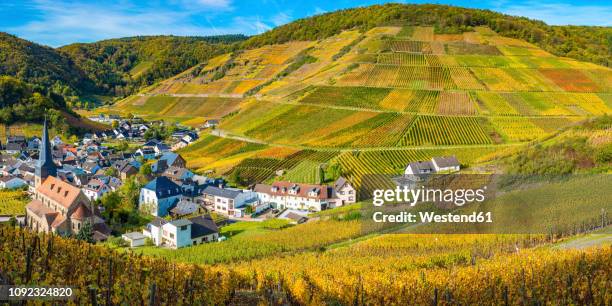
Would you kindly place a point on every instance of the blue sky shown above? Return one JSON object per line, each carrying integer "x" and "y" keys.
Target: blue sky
{"x": 60, "y": 22}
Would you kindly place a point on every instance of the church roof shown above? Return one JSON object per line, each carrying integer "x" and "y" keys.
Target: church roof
{"x": 45, "y": 166}
{"x": 81, "y": 213}
{"x": 59, "y": 191}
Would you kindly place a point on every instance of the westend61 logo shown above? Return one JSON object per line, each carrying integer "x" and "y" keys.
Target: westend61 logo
{"x": 405, "y": 194}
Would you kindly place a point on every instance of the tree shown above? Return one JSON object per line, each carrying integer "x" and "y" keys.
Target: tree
{"x": 115, "y": 124}
{"x": 110, "y": 171}
{"x": 86, "y": 233}
{"x": 123, "y": 145}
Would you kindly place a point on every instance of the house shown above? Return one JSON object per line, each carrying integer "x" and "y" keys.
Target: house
{"x": 190, "y": 137}
{"x": 295, "y": 196}
{"x": 126, "y": 168}
{"x": 227, "y": 200}
{"x": 95, "y": 189}
{"x": 134, "y": 239}
{"x": 437, "y": 164}
{"x": 173, "y": 159}
{"x": 178, "y": 174}
{"x": 179, "y": 145}
{"x": 182, "y": 232}
{"x": 11, "y": 182}
{"x": 445, "y": 164}
{"x": 344, "y": 192}
{"x": 211, "y": 123}
{"x": 14, "y": 144}
{"x": 161, "y": 148}
{"x": 90, "y": 167}
{"x": 294, "y": 218}
{"x": 419, "y": 168}
{"x": 184, "y": 207}
{"x": 146, "y": 153}
{"x": 56, "y": 141}
{"x": 159, "y": 196}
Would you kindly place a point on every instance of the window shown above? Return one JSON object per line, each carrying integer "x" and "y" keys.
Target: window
{"x": 184, "y": 228}
{"x": 172, "y": 235}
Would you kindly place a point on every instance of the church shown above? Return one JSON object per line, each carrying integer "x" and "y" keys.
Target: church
{"x": 57, "y": 206}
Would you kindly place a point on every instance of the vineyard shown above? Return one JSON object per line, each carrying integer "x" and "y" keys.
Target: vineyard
{"x": 301, "y": 166}
{"x": 261, "y": 243}
{"x": 433, "y": 130}
{"x": 389, "y": 269}
{"x": 13, "y": 202}
{"x": 429, "y": 269}
{"x": 362, "y": 95}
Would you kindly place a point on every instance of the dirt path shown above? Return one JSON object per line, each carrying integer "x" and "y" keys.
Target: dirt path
{"x": 601, "y": 238}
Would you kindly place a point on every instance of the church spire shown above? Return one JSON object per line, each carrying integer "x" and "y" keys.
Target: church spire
{"x": 45, "y": 167}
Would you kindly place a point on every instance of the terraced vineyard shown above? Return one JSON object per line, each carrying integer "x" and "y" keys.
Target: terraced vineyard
{"x": 406, "y": 90}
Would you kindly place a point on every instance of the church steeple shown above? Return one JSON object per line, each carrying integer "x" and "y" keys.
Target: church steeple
{"x": 45, "y": 167}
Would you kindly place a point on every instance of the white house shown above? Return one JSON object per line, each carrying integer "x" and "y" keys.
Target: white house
{"x": 158, "y": 196}
{"x": 227, "y": 200}
{"x": 445, "y": 164}
{"x": 146, "y": 153}
{"x": 344, "y": 192}
{"x": 436, "y": 165}
{"x": 295, "y": 196}
{"x": 95, "y": 189}
{"x": 135, "y": 239}
{"x": 182, "y": 232}
{"x": 11, "y": 182}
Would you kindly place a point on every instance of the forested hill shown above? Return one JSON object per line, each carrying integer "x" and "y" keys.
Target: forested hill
{"x": 593, "y": 44}
{"x": 42, "y": 66}
{"x": 121, "y": 66}
{"x": 114, "y": 67}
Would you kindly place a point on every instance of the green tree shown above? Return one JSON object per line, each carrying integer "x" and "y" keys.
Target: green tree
{"x": 86, "y": 233}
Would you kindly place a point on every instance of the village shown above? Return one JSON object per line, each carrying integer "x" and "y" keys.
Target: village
{"x": 69, "y": 184}
{"x": 76, "y": 188}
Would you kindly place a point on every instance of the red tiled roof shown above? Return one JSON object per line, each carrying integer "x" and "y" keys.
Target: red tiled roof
{"x": 81, "y": 213}
{"x": 59, "y": 191}
{"x": 59, "y": 220}
{"x": 38, "y": 208}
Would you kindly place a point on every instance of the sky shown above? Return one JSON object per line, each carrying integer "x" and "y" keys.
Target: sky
{"x": 60, "y": 22}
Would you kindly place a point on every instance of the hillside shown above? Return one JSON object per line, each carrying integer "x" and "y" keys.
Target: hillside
{"x": 119, "y": 67}
{"x": 42, "y": 66}
{"x": 21, "y": 102}
{"x": 582, "y": 43}
{"x": 372, "y": 102}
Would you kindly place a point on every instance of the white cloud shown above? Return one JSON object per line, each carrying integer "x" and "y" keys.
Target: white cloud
{"x": 251, "y": 25}
{"x": 67, "y": 22}
{"x": 281, "y": 18}
{"x": 319, "y": 11}
{"x": 215, "y": 3}
{"x": 561, "y": 13}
